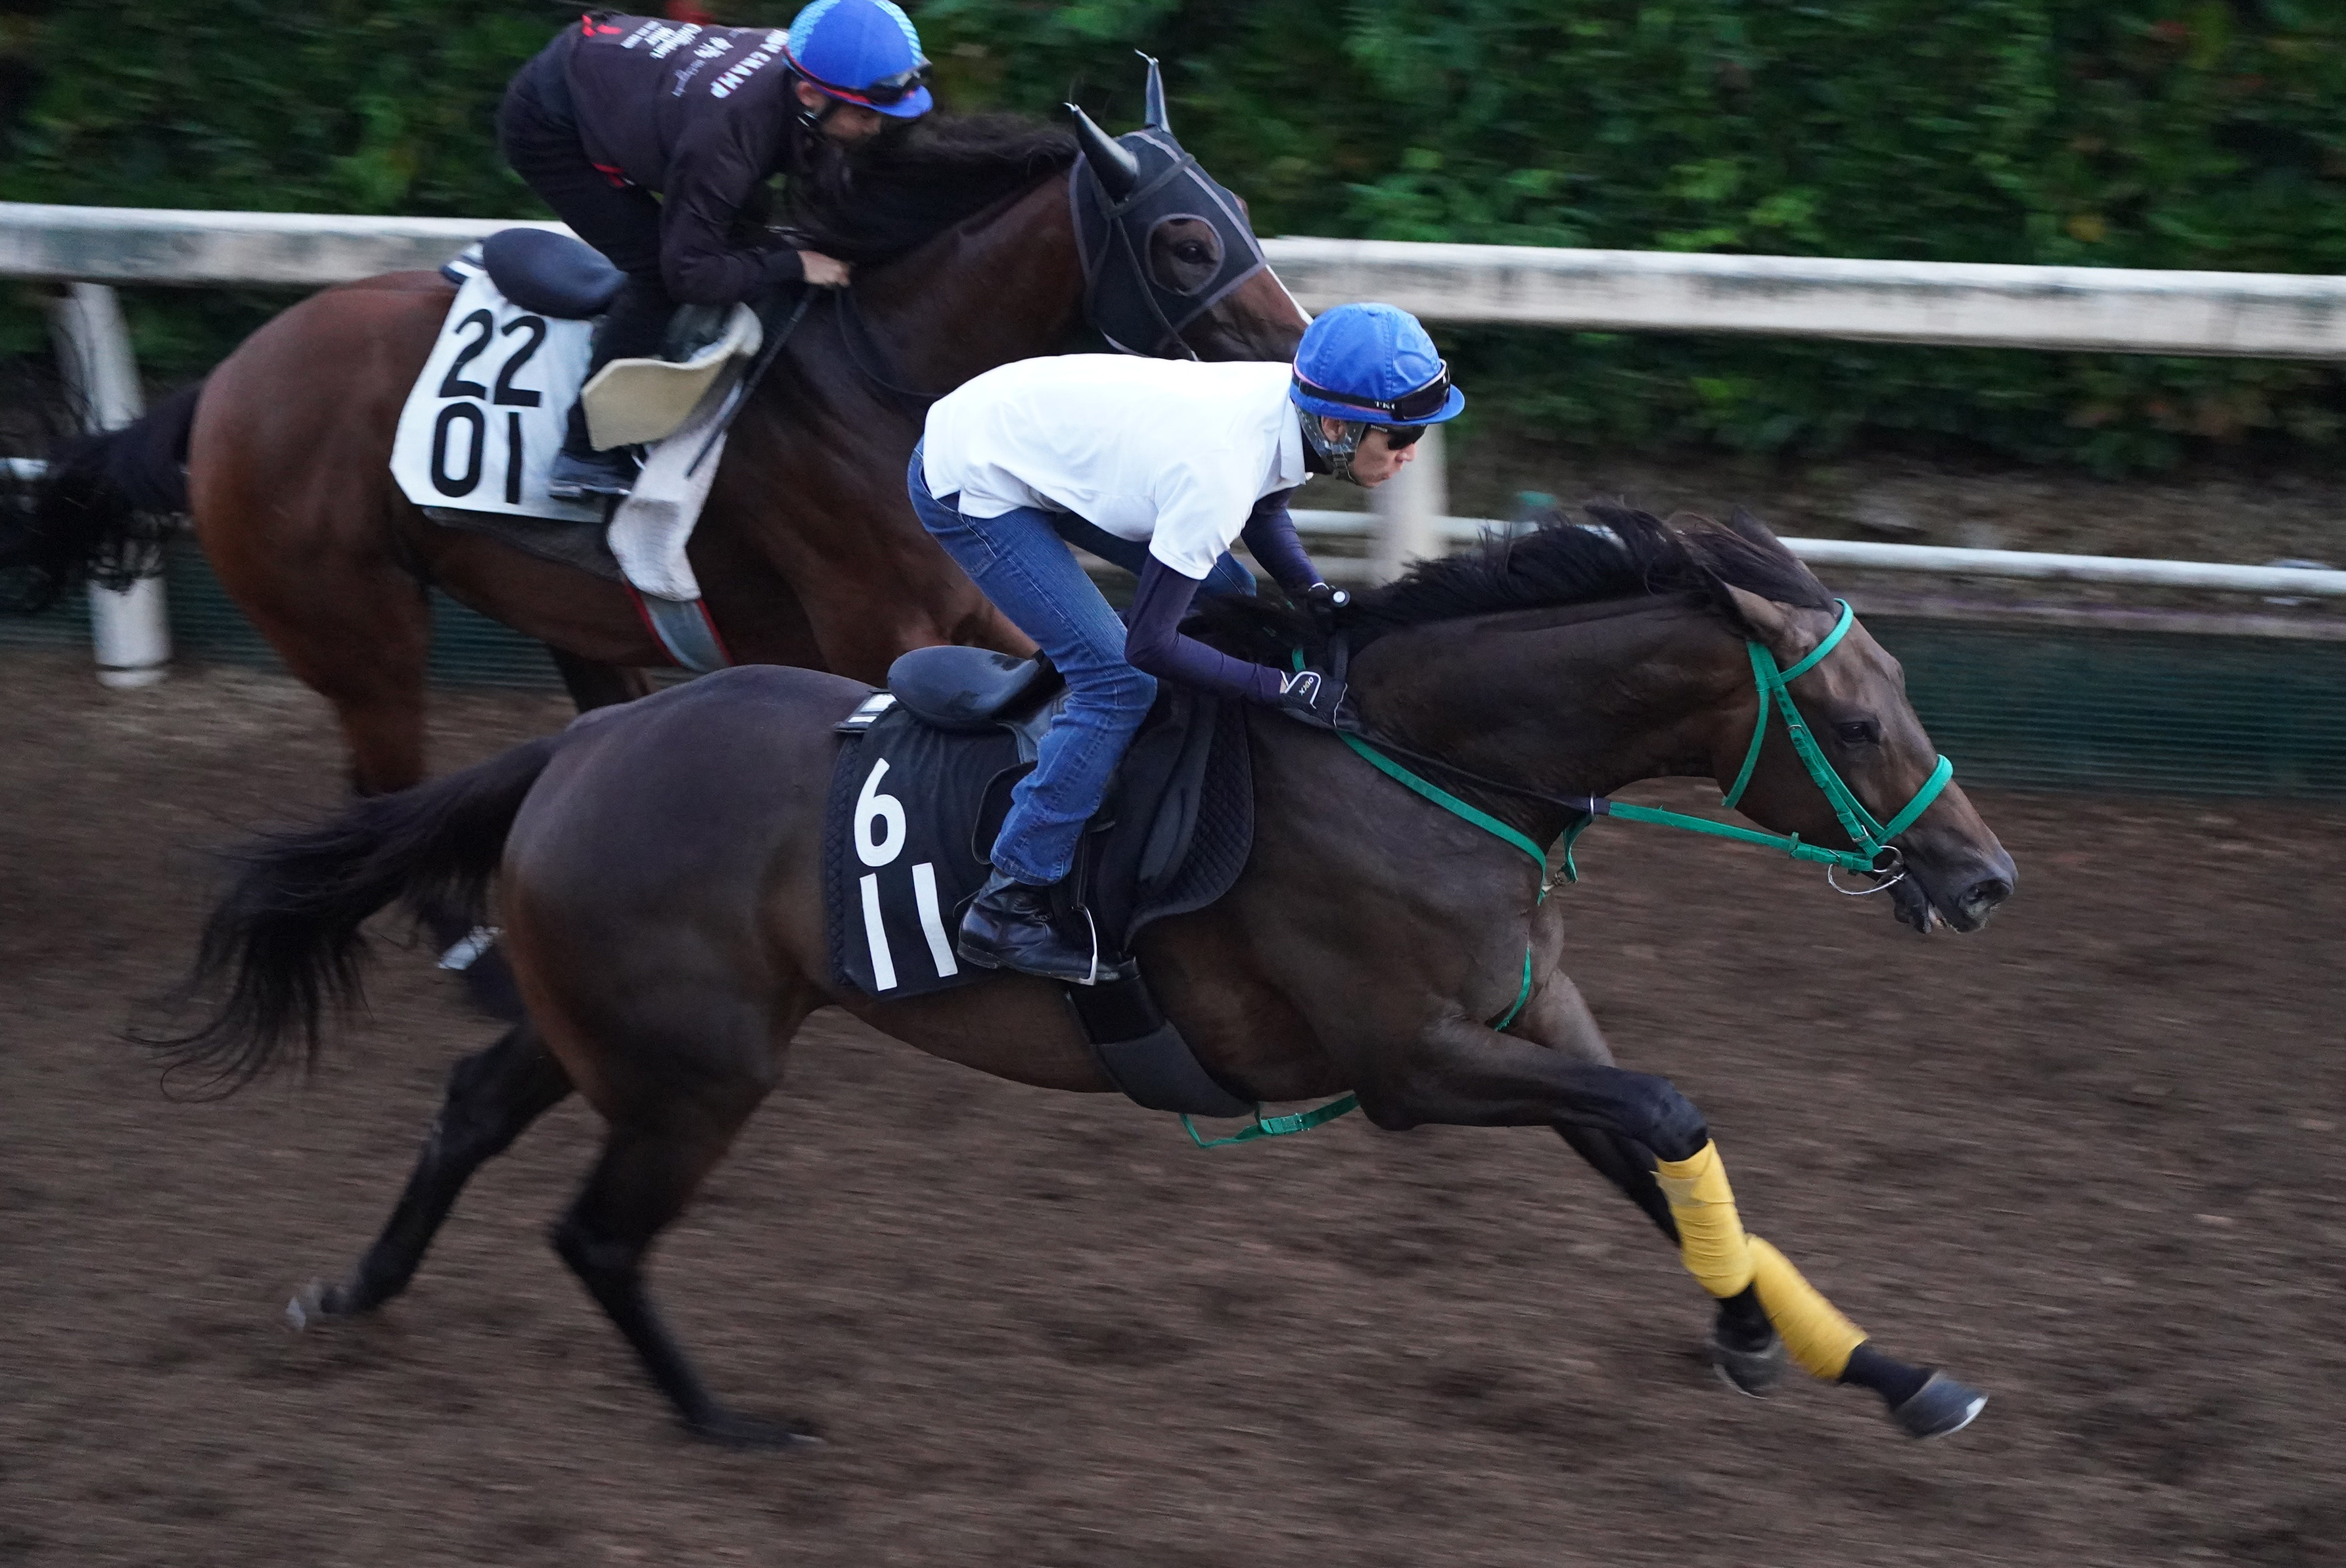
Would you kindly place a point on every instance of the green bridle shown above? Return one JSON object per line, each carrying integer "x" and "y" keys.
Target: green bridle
{"x": 1870, "y": 837}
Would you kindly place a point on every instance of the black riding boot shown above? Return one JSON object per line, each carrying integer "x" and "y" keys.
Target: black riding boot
{"x": 1009, "y": 926}
{"x": 631, "y": 329}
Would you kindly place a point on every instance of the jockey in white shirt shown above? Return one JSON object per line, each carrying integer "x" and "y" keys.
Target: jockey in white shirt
{"x": 1185, "y": 459}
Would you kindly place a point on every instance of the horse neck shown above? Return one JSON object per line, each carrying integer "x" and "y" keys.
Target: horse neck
{"x": 1004, "y": 285}
{"x": 1573, "y": 702}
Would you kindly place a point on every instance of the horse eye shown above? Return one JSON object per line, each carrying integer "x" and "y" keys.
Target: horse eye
{"x": 1193, "y": 251}
{"x": 1859, "y": 732}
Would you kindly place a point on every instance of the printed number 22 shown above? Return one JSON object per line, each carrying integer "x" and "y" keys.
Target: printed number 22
{"x": 454, "y": 385}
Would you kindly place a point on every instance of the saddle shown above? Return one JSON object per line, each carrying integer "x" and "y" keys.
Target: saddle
{"x": 552, "y": 274}
{"x": 920, "y": 791}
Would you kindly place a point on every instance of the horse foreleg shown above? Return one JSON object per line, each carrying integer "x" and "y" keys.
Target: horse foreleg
{"x": 493, "y": 1095}
{"x": 1744, "y": 1345}
{"x": 1465, "y": 1074}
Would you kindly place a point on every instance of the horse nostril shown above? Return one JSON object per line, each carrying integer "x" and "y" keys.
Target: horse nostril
{"x": 1986, "y": 893}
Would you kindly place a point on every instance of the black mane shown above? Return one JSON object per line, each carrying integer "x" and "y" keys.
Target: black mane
{"x": 881, "y": 197}
{"x": 1560, "y": 563}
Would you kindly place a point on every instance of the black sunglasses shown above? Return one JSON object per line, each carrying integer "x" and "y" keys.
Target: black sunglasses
{"x": 1398, "y": 436}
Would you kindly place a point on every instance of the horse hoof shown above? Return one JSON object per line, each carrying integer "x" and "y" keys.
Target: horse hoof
{"x": 728, "y": 1429}
{"x": 318, "y": 1301}
{"x": 307, "y": 1306}
{"x": 1939, "y": 1408}
{"x": 1753, "y": 1372}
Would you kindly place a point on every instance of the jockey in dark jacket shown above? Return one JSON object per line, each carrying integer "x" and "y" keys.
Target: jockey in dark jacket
{"x": 654, "y": 141}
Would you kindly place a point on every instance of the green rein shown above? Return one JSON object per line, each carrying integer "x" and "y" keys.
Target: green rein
{"x": 1870, "y": 837}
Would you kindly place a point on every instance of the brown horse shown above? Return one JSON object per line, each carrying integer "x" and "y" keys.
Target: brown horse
{"x": 810, "y": 554}
{"x": 658, "y": 874}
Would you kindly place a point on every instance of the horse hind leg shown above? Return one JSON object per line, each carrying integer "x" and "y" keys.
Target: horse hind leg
{"x": 642, "y": 1182}
{"x": 493, "y": 1095}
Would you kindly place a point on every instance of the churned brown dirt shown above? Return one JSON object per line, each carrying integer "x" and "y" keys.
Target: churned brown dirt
{"x": 2088, "y": 1159}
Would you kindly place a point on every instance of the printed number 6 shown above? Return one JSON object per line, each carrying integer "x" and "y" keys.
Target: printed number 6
{"x": 890, "y": 811}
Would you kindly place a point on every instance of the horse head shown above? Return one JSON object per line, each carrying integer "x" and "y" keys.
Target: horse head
{"x": 1853, "y": 704}
{"x": 1552, "y": 669}
{"x": 1171, "y": 260}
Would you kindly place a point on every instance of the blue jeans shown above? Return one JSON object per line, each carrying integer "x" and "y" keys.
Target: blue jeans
{"x": 1020, "y": 563}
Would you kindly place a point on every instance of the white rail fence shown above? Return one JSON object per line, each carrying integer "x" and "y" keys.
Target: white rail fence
{"x": 2045, "y": 307}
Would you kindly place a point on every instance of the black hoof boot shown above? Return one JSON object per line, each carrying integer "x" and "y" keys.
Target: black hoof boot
{"x": 1939, "y": 1408}
{"x": 728, "y": 1429}
{"x": 1744, "y": 1346}
{"x": 1757, "y": 1372}
{"x": 1009, "y": 926}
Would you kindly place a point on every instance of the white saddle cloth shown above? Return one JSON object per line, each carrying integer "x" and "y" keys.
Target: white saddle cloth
{"x": 485, "y": 418}
{"x": 481, "y": 428}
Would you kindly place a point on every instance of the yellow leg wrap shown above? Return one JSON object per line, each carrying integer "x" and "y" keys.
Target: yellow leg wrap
{"x": 1711, "y": 1233}
{"x": 1818, "y": 1337}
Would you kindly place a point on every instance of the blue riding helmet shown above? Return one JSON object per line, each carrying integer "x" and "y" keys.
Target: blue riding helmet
{"x": 1373, "y": 365}
{"x": 863, "y": 52}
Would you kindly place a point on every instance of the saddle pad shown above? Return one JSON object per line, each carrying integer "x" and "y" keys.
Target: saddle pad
{"x": 899, "y": 858}
{"x": 485, "y": 418}
{"x": 579, "y": 544}
{"x": 912, "y": 812}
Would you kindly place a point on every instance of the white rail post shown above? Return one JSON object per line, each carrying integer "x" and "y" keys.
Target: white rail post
{"x": 1410, "y": 508}
{"x": 131, "y": 632}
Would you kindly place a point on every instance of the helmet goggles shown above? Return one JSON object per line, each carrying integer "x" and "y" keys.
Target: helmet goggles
{"x": 885, "y": 92}
{"x": 1416, "y": 406}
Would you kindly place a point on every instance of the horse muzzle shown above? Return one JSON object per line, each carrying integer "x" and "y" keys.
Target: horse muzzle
{"x": 1961, "y": 898}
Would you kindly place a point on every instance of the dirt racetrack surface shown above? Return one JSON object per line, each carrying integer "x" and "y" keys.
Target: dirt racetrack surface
{"x": 2088, "y": 1159}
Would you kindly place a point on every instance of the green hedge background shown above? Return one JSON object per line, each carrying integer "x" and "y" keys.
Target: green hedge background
{"x": 2131, "y": 133}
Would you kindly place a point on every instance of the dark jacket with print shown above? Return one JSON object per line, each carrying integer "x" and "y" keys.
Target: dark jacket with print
{"x": 705, "y": 116}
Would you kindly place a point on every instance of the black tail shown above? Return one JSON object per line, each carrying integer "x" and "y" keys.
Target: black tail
{"x": 288, "y": 932}
{"x": 106, "y": 505}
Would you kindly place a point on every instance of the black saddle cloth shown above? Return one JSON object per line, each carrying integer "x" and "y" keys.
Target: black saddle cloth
{"x": 914, "y": 808}
{"x": 550, "y": 273}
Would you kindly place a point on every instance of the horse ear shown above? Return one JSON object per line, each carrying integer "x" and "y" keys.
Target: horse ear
{"x": 1764, "y": 618}
{"x": 1119, "y": 170}
{"x": 1750, "y": 528}
{"x": 1155, "y": 119}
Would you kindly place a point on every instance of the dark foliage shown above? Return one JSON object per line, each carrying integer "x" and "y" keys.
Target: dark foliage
{"x": 2130, "y": 133}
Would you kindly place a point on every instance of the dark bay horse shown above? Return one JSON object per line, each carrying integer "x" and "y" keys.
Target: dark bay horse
{"x": 809, "y": 554}
{"x": 658, "y": 870}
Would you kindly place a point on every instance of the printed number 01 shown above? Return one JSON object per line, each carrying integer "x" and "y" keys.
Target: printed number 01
{"x": 890, "y": 812}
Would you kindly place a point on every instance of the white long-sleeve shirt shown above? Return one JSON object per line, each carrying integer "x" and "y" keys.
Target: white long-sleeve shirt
{"x": 1167, "y": 451}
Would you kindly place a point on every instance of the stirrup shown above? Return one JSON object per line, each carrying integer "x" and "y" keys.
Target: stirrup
{"x": 576, "y": 478}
